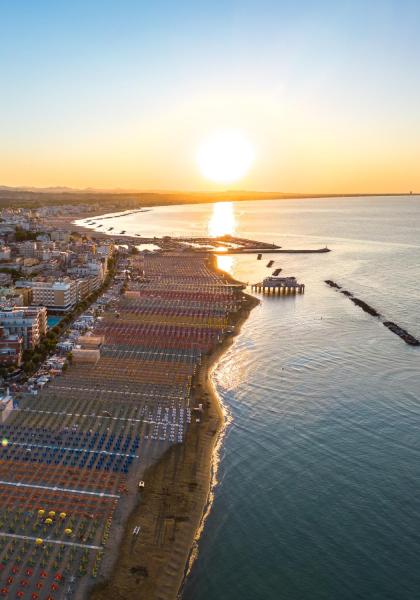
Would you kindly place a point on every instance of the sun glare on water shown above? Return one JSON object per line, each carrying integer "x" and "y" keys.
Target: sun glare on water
{"x": 225, "y": 156}
{"x": 225, "y": 263}
{"x": 222, "y": 220}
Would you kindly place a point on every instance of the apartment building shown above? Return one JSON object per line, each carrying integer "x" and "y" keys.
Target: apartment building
{"x": 5, "y": 253}
{"x": 11, "y": 347}
{"x": 91, "y": 268}
{"x": 60, "y": 235}
{"x": 105, "y": 250}
{"x": 27, "y": 249}
{"x": 57, "y": 296}
{"x": 27, "y": 322}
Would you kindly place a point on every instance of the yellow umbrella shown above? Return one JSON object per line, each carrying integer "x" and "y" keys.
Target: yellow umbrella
{"x": 52, "y": 513}
{"x": 38, "y": 541}
{"x": 68, "y": 531}
{"x": 41, "y": 512}
{"x": 63, "y": 515}
{"x": 48, "y": 521}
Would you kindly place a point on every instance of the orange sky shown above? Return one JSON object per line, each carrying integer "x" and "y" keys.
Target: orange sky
{"x": 327, "y": 95}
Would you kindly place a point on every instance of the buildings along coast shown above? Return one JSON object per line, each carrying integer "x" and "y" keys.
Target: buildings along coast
{"x": 75, "y": 453}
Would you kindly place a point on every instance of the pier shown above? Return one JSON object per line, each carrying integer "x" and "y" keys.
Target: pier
{"x": 279, "y": 286}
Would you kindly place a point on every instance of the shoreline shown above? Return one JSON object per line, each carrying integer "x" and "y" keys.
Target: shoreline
{"x": 148, "y": 202}
{"x": 178, "y": 495}
{"x": 226, "y": 420}
{"x": 166, "y": 574}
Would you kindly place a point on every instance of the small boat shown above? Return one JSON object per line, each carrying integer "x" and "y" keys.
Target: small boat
{"x": 259, "y": 257}
{"x": 270, "y": 264}
{"x": 276, "y": 272}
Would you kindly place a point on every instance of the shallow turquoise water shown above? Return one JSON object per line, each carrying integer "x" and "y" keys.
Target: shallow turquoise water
{"x": 52, "y": 321}
{"x": 319, "y": 482}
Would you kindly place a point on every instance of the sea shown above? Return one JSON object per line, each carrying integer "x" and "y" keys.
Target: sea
{"x": 318, "y": 484}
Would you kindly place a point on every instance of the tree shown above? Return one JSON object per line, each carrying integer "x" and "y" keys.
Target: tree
{"x": 36, "y": 358}
{"x": 21, "y": 235}
{"x": 28, "y": 367}
{"x": 27, "y": 354}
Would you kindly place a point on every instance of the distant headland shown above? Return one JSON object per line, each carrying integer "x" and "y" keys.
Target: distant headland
{"x": 34, "y": 197}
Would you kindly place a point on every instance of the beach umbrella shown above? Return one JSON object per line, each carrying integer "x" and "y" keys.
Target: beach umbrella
{"x": 48, "y": 521}
{"x": 63, "y": 515}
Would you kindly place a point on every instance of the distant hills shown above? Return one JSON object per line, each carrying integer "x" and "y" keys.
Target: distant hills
{"x": 34, "y": 197}
{"x": 29, "y": 197}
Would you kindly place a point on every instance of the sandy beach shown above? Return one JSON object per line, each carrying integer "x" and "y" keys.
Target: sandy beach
{"x": 178, "y": 488}
{"x": 175, "y": 500}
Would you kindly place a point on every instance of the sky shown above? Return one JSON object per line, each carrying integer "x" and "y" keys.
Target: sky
{"x": 120, "y": 94}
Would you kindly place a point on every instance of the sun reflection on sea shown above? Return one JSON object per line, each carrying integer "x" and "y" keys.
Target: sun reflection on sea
{"x": 222, "y": 220}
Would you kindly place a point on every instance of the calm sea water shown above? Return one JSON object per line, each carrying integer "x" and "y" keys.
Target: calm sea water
{"x": 319, "y": 481}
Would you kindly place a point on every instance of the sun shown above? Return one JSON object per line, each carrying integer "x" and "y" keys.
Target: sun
{"x": 225, "y": 156}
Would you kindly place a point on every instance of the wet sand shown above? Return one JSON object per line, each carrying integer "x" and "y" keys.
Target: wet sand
{"x": 178, "y": 490}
